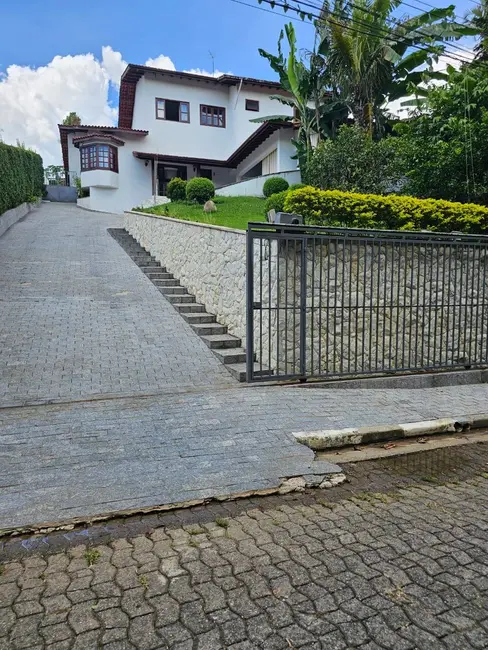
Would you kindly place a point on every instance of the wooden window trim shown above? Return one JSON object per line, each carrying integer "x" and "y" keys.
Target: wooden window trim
{"x": 86, "y": 158}
{"x": 213, "y": 108}
{"x": 166, "y": 99}
{"x": 255, "y": 101}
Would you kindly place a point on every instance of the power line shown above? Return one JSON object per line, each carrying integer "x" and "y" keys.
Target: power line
{"x": 354, "y": 29}
{"x": 389, "y": 20}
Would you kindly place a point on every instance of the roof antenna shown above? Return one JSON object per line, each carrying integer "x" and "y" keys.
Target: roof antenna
{"x": 213, "y": 63}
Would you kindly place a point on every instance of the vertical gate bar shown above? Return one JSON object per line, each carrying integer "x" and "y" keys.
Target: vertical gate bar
{"x": 286, "y": 306}
{"x": 388, "y": 246}
{"x": 420, "y": 285}
{"x": 476, "y": 295}
{"x": 483, "y": 329}
{"x": 278, "y": 287}
{"x": 342, "y": 308}
{"x": 461, "y": 295}
{"x": 350, "y": 314}
{"x": 400, "y": 266}
{"x": 431, "y": 299}
{"x": 363, "y": 309}
{"x": 312, "y": 308}
{"x": 295, "y": 289}
{"x": 371, "y": 296}
{"x": 468, "y": 277}
{"x": 404, "y": 306}
{"x": 356, "y": 320}
{"x": 410, "y": 311}
{"x": 443, "y": 296}
{"x": 270, "y": 303}
{"x": 392, "y": 297}
{"x": 303, "y": 309}
{"x": 452, "y": 329}
{"x": 250, "y": 306}
{"x": 378, "y": 299}
{"x": 335, "y": 310}
{"x": 326, "y": 307}
{"x": 261, "y": 306}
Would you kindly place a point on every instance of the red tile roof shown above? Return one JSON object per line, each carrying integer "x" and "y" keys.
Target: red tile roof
{"x": 99, "y": 136}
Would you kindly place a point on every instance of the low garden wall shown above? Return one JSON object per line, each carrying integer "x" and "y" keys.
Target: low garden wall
{"x": 210, "y": 261}
{"x": 10, "y": 217}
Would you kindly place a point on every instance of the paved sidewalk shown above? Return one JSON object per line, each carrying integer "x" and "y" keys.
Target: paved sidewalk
{"x": 78, "y": 318}
{"x": 88, "y": 458}
{"x": 382, "y": 569}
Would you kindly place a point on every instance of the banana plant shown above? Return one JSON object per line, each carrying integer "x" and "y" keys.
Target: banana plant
{"x": 316, "y": 112}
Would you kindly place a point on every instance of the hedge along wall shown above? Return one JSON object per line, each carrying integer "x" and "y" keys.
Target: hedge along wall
{"x": 392, "y": 212}
{"x": 21, "y": 176}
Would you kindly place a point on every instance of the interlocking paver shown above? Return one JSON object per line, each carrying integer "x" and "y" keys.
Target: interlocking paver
{"x": 79, "y": 319}
{"x": 293, "y": 603}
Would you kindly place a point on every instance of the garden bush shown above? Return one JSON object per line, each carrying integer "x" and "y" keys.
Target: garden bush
{"x": 274, "y": 185}
{"x": 335, "y": 208}
{"x": 176, "y": 190}
{"x": 21, "y": 176}
{"x": 200, "y": 190}
{"x": 297, "y": 186}
{"x": 275, "y": 202}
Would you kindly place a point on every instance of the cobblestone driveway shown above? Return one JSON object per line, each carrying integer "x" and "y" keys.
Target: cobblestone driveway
{"x": 400, "y": 569}
{"x": 78, "y": 318}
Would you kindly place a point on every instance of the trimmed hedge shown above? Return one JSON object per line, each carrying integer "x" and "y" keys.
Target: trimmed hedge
{"x": 21, "y": 176}
{"x": 275, "y": 202}
{"x": 200, "y": 190}
{"x": 274, "y": 185}
{"x": 393, "y": 212}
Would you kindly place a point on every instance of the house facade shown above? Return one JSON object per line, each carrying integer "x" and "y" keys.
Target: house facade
{"x": 180, "y": 124}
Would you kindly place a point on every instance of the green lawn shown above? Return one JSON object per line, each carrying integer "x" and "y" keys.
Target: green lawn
{"x": 232, "y": 211}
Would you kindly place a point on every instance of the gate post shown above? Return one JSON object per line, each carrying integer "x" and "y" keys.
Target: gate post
{"x": 249, "y": 305}
{"x": 303, "y": 311}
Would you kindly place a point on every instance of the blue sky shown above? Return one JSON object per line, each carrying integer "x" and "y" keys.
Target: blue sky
{"x": 184, "y": 31}
{"x": 52, "y": 62}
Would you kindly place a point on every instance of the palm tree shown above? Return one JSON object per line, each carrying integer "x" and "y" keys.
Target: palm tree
{"x": 374, "y": 58}
{"x": 316, "y": 112}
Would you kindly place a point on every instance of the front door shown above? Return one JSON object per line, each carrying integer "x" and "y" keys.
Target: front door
{"x": 166, "y": 173}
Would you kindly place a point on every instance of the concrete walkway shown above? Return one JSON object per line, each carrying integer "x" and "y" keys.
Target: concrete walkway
{"x": 79, "y": 319}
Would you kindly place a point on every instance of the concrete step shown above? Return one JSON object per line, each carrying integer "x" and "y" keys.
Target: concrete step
{"x": 180, "y": 297}
{"x": 145, "y": 264}
{"x": 154, "y": 268}
{"x": 173, "y": 289}
{"x": 238, "y": 370}
{"x": 230, "y": 356}
{"x": 171, "y": 282}
{"x": 161, "y": 275}
{"x": 189, "y": 308}
{"x": 220, "y": 341}
{"x": 210, "y": 328}
{"x": 199, "y": 317}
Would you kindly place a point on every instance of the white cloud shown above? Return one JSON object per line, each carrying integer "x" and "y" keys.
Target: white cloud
{"x": 206, "y": 73}
{"x": 161, "y": 61}
{"x": 113, "y": 63}
{"x": 33, "y": 101}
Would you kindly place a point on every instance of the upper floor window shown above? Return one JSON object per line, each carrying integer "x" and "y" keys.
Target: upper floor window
{"x": 252, "y": 105}
{"x": 212, "y": 115}
{"x": 99, "y": 156}
{"x": 172, "y": 110}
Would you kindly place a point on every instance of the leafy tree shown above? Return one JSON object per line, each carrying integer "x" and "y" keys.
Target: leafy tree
{"x": 354, "y": 162}
{"x": 72, "y": 119}
{"x": 54, "y": 174}
{"x": 371, "y": 57}
{"x": 316, "y": 112}
{"x": 442, "y": 149}
{"x": 479, "y": 20}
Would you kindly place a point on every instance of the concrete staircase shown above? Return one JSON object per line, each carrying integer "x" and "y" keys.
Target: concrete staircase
{"x": 226, "y": 347}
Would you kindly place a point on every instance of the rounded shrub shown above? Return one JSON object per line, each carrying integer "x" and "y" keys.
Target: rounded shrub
{"x": 176, "y": 190}
{"x": 274, "y": 185}
{"x": 200, "y": 190}
{"x": 297, "y": 186}
{"x": 275, "y": 202}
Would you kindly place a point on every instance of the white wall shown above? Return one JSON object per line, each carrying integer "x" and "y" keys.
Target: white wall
{"x": 254, "y": 186}
{"x": 99, "y": 178}
{"x": 194, "y": 139}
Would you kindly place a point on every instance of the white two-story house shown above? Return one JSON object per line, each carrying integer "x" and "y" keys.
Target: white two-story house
{"x": 180, "y": 124}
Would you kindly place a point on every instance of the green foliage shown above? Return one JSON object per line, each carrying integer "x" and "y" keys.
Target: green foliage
{"x": 72, "y": 119}
{"x": 334, "y": 208}
{"x": 296, "y": 186}
{"x": 176, "y": 190}
{"x": 274, "y": 185}
{"x": 54, "y": 174}
{"x": 442, "y": 150}
{"x": 275, "y": 202}
{"x": 200, "y": 190}
{"x": 21, "y": 176}
{"x": 354, "y": 162}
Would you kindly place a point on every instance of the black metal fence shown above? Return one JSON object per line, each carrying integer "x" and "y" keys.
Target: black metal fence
{"x": 336, "y": 302}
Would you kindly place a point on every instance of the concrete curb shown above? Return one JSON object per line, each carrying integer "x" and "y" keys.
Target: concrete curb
{"x": 334, "y": 438}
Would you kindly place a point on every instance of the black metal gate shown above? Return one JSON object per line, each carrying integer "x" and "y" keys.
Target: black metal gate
{"x": 336, "y": 302}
